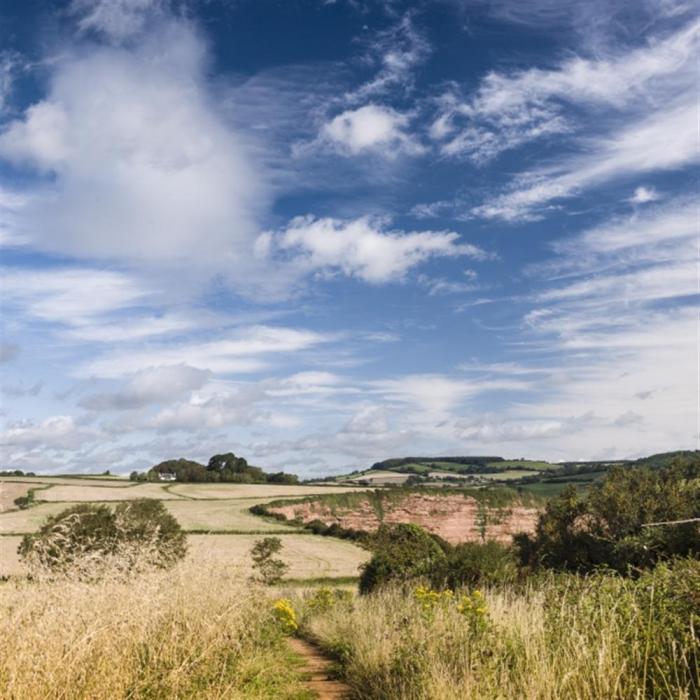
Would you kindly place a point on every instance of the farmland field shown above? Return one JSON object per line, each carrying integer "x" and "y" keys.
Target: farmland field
{"x": 104, "y": 481}
{"x": 215, "y": 491}
{"x": 308, "y": 556}
{"x": 30, "y": 519}
{"x": 222, "y": 515}
{"x": 209, "y": 508}
{"x": 81, "y": 492}
{"x": 8, "y": 493}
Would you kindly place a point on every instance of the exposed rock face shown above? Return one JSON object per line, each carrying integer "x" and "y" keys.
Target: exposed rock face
{"x": 455, "y": 517}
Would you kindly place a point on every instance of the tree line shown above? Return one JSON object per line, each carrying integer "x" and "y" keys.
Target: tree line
{"x": 226, "y": 468}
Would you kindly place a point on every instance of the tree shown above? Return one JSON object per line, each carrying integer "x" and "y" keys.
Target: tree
{"x": 614, "y": 526}
{"x": 269, "y": 570}
{"x": 87, "y": 538}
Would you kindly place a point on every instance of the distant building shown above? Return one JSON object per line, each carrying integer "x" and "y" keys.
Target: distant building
{"x": 166, "y": 476}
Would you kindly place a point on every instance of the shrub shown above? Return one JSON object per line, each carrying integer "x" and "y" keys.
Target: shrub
{"x": 85, "y": 539}
{"x": 269, "y": 570}
{"x": 476, "y": 564}
{"x": 401, "y": 552}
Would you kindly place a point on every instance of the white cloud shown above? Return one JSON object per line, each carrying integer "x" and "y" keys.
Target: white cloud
{"x": 663, "y": 141}
{"x": 241, "y": 351}
{"x": 362, "y": 248}
{"x": 150, "y": 386}
{"x": 140, "y": 168}
{"x": 70, "y": 295}
{"x": 397, "y": 51}
{"x": 116, "y": 19}
{"x": 642, "y": 195}
{"x": 56, "y": 432}
{"x": 370, "y": 128}
{"x": 509, "y": 110}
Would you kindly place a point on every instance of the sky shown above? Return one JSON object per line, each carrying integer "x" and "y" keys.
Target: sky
{"x": 321, "y": 234}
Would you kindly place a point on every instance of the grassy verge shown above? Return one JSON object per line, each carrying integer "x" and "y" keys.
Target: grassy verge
{"x": 562, "y": 638}
{"x": 194, "y": 632}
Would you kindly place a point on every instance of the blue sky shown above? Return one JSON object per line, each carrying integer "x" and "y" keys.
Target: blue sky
{"x": 320, "y": 234}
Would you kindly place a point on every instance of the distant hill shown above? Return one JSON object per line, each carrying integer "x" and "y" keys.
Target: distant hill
{"x": 527, "y": 475}
{"x": 663, "y": 459}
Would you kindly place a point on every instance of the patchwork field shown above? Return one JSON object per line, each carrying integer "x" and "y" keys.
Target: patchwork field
{"x": 200, "y": 509}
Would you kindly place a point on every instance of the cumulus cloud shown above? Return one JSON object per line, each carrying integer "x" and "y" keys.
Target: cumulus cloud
{"x": 372, "y": 128}
{"x": 363, "y": 248}
{"x": 141, "y": 168}
{"x": 642, "y": 195}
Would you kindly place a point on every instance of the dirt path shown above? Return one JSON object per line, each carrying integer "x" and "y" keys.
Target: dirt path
{"x": 316, "y": 665}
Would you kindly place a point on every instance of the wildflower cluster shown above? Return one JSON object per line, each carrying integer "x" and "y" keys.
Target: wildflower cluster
{"x": 325, "y": 598}
{"x": 285, "y": 615}
{"x": 473, "y": 607}
{"x": 430, "y": 599}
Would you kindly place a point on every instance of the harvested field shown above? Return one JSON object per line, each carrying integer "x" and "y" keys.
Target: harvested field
{"x": 203, "y": 491}
{"x": 307, "y": 556}
{"x": 30, "y": 519}
{"x": 8, "y": 493}
{"x": 105, "y": 493}
{"x": 221, "y": 515}
{"x": 10, "y": 564}
{"x": 106, "y": 481}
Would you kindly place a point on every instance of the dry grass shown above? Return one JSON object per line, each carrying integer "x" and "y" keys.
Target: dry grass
{"x": 105, "y": 493}
{"x": 8, "y": 493}
{"x": 565, "y": 639}
{"x": 30, "y": 519}
{"x": 307, "y": 556}
{"x": 198, "y": 631}
{"x": 106, "y": 481}
{"x": 261, "y": 491}
{"x": 10, "y": 565}
{"x": 222, "y": 515}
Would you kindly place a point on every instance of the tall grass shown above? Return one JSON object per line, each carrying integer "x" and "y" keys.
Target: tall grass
{"x": 566, "y": 637}
{"x": 192, "y": 632}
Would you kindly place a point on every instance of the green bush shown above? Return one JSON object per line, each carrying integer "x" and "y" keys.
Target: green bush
{"x": 472, "y": 564}
{"x": 86, "y": 536}
{"x": 401, "y": 552}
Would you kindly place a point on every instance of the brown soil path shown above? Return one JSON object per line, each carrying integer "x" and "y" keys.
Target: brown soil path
{"x": 316, "y": 665}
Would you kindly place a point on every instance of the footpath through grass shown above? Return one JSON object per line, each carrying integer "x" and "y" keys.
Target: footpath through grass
{"x": 562, "y": 637}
